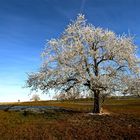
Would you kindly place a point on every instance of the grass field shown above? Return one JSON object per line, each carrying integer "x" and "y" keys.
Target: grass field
{"x": 123, "y": 122}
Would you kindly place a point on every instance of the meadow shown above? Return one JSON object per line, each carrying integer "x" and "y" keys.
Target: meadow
{"x": 122, "y": 121}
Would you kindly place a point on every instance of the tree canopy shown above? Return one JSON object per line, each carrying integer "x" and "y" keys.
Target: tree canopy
{"x": 35, "y": 97}
{"x": 86, "y": 58}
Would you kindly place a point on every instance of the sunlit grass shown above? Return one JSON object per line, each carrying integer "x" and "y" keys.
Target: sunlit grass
{"x": 130, "y": 105}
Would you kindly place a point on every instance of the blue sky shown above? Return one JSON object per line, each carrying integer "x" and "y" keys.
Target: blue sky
{"x": 25, "y": 25}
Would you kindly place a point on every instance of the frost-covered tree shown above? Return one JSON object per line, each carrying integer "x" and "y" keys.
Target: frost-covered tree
{"x": 132, "y": 86}
{"x": 35, "y": 97}
{"x": 70, "y": 95}
{"x": 86, "y": 58}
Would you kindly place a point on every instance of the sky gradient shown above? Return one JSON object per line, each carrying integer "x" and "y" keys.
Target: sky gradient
{"x": 25, "y": 25}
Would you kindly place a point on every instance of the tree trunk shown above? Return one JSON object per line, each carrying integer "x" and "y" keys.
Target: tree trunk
{"x": 96, "y": 102}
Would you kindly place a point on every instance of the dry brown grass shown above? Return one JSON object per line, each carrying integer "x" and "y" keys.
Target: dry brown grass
{"x": 79, "y": 126}
{"x": 122, "y": 123}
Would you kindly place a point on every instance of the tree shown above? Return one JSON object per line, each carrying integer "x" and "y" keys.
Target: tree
{"x": 86, "y": 58}
{"x": 132, "y": 86}
{"x": 70, "y": 95}
{"x": 35, "y": 97}
{"x": 124, "y": 93}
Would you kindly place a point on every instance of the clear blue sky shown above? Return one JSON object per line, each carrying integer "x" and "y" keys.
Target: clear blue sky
{"x": 25, "y": 25}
